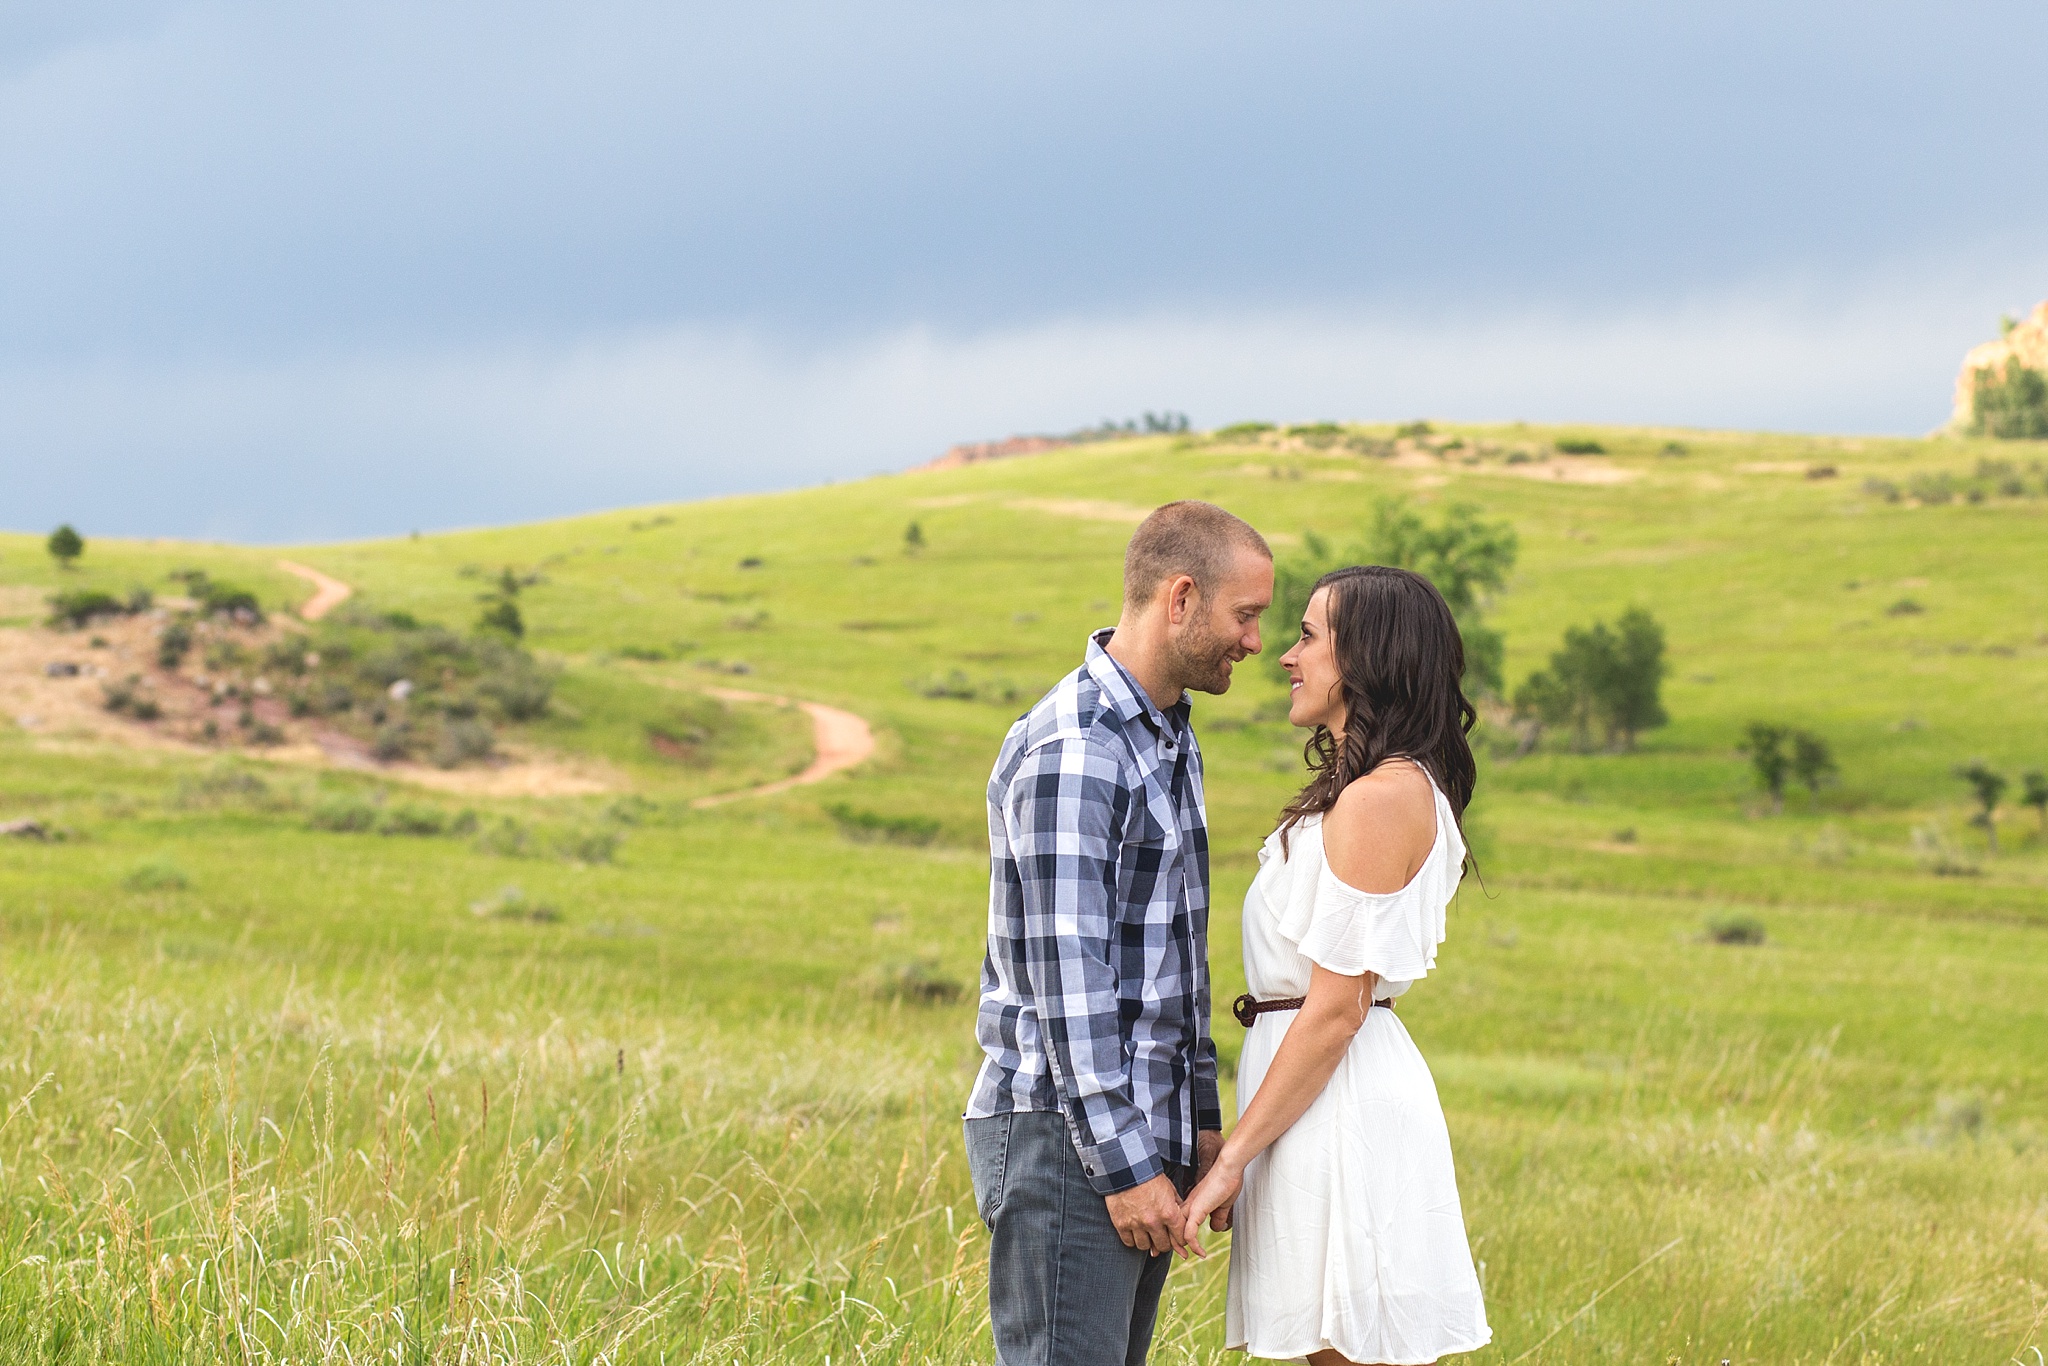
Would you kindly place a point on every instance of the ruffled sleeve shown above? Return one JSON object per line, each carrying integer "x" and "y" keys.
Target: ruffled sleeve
{"x": 1393, "y": 934}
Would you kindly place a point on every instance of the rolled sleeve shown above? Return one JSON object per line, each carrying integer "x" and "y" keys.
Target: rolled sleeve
{"x": 1065, "y": 809}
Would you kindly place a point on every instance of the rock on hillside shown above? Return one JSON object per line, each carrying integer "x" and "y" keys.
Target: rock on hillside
{"x": 2027, "y": 341}
{"x": 974, "y": 452}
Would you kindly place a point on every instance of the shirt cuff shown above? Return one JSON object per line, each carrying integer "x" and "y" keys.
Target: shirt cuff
{"x": 1127, "y": 1160}
{"x": 1208, "y": 1106}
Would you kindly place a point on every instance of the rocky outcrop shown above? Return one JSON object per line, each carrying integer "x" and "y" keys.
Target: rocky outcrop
{"x": 2026, "y": 342}
{"x": 974, "y": 452}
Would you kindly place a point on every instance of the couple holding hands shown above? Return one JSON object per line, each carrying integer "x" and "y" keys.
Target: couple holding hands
{"x": 1094, "y": 1130}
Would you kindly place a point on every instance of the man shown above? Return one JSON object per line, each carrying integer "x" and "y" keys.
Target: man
{"x": 1096, "y": 1106}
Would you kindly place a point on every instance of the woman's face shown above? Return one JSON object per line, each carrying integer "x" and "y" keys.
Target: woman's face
{"x": 1317, "y": 698}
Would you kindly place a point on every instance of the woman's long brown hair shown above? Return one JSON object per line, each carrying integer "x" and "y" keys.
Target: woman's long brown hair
{"x": 1400, "y": 660}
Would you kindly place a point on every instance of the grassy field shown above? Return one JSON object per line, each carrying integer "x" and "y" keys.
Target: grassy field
{"x": 689, "y": 1091}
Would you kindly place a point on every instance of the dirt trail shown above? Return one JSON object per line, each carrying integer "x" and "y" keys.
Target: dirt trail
{"x": 328, "y": 593}
{"x": 842, "y": 740}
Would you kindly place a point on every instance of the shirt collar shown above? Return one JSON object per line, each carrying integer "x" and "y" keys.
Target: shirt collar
{"x": 1126, "y": 698}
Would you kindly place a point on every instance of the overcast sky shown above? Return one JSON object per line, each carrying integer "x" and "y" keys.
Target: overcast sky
{"x": 279, "y": 272}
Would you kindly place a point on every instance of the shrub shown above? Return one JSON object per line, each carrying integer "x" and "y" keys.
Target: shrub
{"x": 81, "y": 605}
{"x": 913, "y": 538}
{"x": 513, "y": 904}
{"x": 462, "y": 741}
{"x": 918, "y": 982}
{"x": 1242, "y": 431}
{"x": 1578, "y": 446}
{"x": 588, "y": 846}
{"x": 173, "y": 643}
{"x": 1414, "y": 429}
{"x": 866, "y": 826}
{"x": 120, "y": 696}
{"x": 392, "y": 742}
{"x": 156, "y": 875}
{"x": 413, "y": 819}
{"x": 503, "y": 616}
{"x": 647, "y": 653}
{"x": 1882, "y": 488}
{"x": 1904, "y": 607}
{"x": 504, "y": 837}
{"x": 343, "y": 814}
{"x": 1736, "y": 929}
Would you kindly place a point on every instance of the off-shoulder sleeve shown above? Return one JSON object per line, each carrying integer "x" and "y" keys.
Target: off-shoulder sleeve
{"x": 1393, "y": 934}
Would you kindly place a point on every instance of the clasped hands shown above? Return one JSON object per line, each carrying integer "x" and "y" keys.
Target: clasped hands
{"x": 1153, "y": 1217}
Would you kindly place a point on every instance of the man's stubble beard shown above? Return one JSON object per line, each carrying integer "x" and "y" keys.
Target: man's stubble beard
{"x": 1204, "y": 659}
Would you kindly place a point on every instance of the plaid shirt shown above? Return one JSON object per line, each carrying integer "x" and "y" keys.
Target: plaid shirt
{"x": 1095, "y": 990}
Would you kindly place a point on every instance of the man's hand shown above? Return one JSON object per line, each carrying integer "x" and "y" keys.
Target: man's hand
{"x": 1148, "y": 1216}
{"x": 1208, "y": 1147}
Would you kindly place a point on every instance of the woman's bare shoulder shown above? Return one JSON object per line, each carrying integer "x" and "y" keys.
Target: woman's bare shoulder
{"x": 1381, "y": 828}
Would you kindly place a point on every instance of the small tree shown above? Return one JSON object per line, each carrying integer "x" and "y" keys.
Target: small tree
{"x": 1540, "y": 702}
{"x": 1987, "y": 786}
{"x": 1635, "y": 679}
{"x": 1766, "y": 746}
{"x": 1466, "y": 558}
{"x": 2034, "y": 793}
{"x": 66, "y": 545}
{"x": 1813, "y": 764}
{"x": 503, "y": 615}
{"x": 913, "y": 539}
{"x": 2011, "y": 405}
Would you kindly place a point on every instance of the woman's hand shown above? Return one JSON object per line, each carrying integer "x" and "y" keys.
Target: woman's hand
{"x": 1213, "y": 1199}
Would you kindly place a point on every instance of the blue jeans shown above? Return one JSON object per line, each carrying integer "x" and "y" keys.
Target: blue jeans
{"x": 1063, "y": 1290}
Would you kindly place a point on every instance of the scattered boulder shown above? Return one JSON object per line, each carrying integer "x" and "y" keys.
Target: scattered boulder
{"x": 25, "y": 829}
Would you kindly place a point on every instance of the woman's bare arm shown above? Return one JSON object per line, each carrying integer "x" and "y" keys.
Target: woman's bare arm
{"x": 1375, "y": 841}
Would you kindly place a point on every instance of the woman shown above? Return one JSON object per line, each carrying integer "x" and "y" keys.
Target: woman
{"x": 1350, "y": 1244}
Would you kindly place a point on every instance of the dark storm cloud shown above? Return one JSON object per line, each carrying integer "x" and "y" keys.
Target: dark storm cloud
{"x": 254, "y": 235}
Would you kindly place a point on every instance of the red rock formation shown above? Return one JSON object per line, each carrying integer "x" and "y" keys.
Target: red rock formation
{"x": 974, "y": 452}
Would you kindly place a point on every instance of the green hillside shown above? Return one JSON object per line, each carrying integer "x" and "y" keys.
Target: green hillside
{"x": 690, "y": 1093}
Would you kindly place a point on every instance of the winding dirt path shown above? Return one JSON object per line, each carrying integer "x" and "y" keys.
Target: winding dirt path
{"x": 841, "y": 738}
{"x": 328, "y": 593}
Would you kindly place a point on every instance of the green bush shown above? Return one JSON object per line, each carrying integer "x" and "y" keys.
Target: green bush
{"x": 156, "y": 875}
{"x": 344, "y": 814}
{"x": 81, "y": 605}
{"x": 870, "y": 826}
{"x": 917, "y": 982}
{"x": 1578, "y": 446}
{"x": 1736, "y": 929}
{"x": 413, "y": 819}
{"x": 173, "y": 643}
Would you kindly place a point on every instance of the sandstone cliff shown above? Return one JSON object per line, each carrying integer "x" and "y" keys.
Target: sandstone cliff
{"x": 2027, "y": 341}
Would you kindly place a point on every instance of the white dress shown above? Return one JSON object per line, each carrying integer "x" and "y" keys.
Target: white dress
{"x": 1348, "y": 1230}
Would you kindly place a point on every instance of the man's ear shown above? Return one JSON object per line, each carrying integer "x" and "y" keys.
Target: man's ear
{"x": 1181, "y": 596}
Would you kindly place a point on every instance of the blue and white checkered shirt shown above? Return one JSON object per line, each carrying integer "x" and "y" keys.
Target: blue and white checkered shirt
{"x": 1095, "y": 990}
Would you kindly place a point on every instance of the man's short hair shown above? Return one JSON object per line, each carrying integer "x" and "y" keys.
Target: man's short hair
{"x": 1189, "y": 537}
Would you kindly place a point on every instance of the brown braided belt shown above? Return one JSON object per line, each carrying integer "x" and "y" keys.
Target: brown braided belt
{"x": 1248, "y": 1008}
